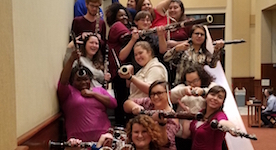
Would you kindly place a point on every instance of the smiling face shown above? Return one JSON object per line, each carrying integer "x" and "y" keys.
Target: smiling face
{"x": 158, "y": 96}
{"x": 175, "y": 11}
{"x": 81, "y": 83}
{"x": 143, "y": 23}
{"x": 122, "y": 16}
{"x": 146, "y": 5}
{"x": 193, "y": 79}
{"x": 92, "y": 46}
{"x": 131, "y": 4}
{"x": 215, "y": 100}
{"x": 198, "y": 36}
{"x": 140, "y": 136}
{"x": 142, "y": 56}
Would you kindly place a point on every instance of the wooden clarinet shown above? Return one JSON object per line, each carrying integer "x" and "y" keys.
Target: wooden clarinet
{"x": 81, "y": 72}
{"x": 215, "y": 125}
{"x": 180, "y": 115}
{"x": 232, "y": 42}
{"x": 172, "y": 26}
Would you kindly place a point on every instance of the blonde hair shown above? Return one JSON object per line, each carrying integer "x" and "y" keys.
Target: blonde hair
{"x": 144, "y": 45}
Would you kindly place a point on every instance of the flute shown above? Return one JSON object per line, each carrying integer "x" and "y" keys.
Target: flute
{"x": 231, "y": 42}
{"x": 215, "y": 125}
{"x": 169, "y": 27}
{"x": 180, "y": 115}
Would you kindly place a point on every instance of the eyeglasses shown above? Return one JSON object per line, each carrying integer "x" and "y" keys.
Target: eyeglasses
{"x": 157, "y": 93}
{"x": 192, "y": 82}
{"x": 197, "y": 34}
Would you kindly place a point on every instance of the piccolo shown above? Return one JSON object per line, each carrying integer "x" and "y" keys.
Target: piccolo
{"x": 215, "y": 125}
{"x": 180, "y": 115}
{"x": 177, "y": 25}
{"x": 231, "y": 42}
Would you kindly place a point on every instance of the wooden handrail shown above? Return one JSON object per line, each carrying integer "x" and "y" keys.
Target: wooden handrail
{"x": 23, "y": 138}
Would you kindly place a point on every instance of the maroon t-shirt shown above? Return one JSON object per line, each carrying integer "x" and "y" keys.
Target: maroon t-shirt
{"x": 206, "y": 138}
{"x": 115, "y": 41}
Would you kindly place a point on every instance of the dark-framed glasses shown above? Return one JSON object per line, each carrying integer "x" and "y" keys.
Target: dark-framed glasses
{"x": 159, "y": 93}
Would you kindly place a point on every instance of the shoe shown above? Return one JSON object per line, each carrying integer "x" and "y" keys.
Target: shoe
{"x": 270, "y": 126}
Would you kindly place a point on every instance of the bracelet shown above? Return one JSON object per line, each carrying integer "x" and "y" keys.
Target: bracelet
{"x": 162, "y": 124}
{"x": 130, "y": 77}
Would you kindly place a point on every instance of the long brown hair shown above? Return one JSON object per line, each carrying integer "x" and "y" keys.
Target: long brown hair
{"x": 139, "y": 5}
{"x": 98, "y": 57}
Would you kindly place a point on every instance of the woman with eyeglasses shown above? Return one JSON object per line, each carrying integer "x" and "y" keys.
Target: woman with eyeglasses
{"x": 190, "y": 97}
{"x": 193, "y": 51}
{"x": 157, "y": 100}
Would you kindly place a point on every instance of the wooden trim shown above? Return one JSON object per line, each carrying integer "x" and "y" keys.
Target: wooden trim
{"x": 22, "y": 148}
{"x": 23, "y": 138}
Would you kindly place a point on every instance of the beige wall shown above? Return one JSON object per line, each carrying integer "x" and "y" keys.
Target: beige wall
{"x": 263, "y": 31}
{"x": 34, "y": 36}
{"x": 41, "y": 34}
{"x": 7, "y": 79}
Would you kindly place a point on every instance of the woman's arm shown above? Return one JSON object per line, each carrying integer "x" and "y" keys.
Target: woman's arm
{"x": 180, "y": 91}
{"x": 66, "y": 72}
{"x": 163, "y": 6}
{"x": 131, "y": 107}
{"x": 104, "y": 99}
{"x": 127, "y": 49}
{"x": 162, "y": 39}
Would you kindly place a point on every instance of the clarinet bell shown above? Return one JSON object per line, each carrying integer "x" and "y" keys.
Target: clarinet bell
{"x": 81, "y": 72}
{"x": 124, "y": 70}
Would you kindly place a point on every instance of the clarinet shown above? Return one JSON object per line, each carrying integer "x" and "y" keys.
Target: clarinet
{"x": 215, "y": 125}
{"x": 180, "y": 115}
{"x": 106, "y": 63}
{"x": 231, "y": 42}
{"x": 67, "y": 144}
{"x": 172, "y": 26}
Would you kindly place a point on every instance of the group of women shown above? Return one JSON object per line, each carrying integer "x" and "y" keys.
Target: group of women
{"x": 146, "y": 84}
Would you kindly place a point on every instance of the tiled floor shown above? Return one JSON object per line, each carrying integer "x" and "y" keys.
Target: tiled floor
{"x": 243, "y": 110}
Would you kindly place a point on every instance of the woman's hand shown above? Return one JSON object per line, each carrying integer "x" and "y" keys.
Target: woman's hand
{"x": 87, "y": 93}
{"x": 105, "y": 140}
{"x": 159, "y": 118}
{"x": 135, "y": 34}
{"x": 75, "y": 55}
{"x": 130, "y": 71}
{"x": 197, "y": 91}
{"x": 71, "y": 44}
{"x": 183, "y": 46}
{"x": 219, "y": 45}
{"x": 107, "y": 76}
{"x": 161, "y": 31}
{"x": 188, "y": 90}
{"x": 137, "y": 109}
{"x": 74, "y": 142}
